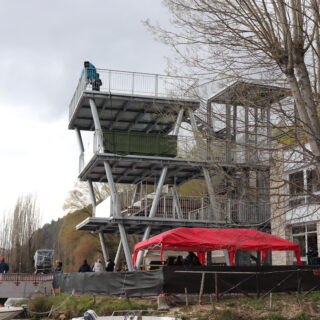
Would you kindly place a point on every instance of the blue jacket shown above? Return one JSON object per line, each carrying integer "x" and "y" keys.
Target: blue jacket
{"x": 91, "y": 72}
{"x": 3, "y": 267}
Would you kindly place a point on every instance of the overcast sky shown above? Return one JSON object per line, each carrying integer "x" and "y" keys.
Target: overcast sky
{"x": 43, "y": 46}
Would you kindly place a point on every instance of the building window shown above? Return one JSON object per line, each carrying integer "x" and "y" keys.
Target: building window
{"x": 305, "y": 236}
{"x": 304, "y": 188}
{"x": 296, "y": 183}
{"x": 313, "y": 181}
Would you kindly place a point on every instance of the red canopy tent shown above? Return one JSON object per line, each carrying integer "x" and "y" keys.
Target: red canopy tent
{"x": 209, "y": 239}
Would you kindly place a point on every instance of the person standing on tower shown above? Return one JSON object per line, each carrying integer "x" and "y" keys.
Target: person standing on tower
{"x": 92, "y": 76}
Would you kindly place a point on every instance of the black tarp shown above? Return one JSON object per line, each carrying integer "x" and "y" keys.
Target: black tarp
{"x": 131, "y": 284}
{"x": 262, "y": 279}
{"x": 171, "y": 280}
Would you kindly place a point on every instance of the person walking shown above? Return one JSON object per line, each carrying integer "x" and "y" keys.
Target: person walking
{"x": 98, "y": 266}
{"x": 58, "y": 267}
{"x": 4, "y": 268}
{"x": 84, "y": 267}
{"x": 110, "y": 265}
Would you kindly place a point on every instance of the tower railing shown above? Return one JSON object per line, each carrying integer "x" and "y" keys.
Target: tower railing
{"x": 232, "y": 211}
{"x": 137, "y": 83}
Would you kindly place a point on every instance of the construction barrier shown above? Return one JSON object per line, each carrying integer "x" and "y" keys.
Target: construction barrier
{"x": 195, "y": 280}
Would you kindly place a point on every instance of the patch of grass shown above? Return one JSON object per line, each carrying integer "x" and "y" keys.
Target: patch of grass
{"x": 231, "y": 304}
{"x": 274, "y": 316}
{"x": 253, "y": 302}
{"x": 301, "y": 316}
{"x": 228, "y": 315}
{"x": 315, "y": 296}
{"x": 38, "y": 306}
{"x": 121, "y": 304}
{"x": 75, "y": 306}
{"x": 258, "y": 304}
{"x": 185, "y": 309}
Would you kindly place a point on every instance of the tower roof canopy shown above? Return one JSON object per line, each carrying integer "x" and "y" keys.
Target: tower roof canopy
{"x": 250, "y": 93}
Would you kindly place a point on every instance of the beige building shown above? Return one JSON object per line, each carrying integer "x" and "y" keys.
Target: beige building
{"x": 294, "y": 204}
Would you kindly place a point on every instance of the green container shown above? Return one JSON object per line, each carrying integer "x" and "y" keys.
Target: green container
{"x": 123, "y": 142}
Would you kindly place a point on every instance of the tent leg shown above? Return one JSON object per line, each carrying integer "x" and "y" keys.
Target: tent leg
{"x": 226, "y": 256}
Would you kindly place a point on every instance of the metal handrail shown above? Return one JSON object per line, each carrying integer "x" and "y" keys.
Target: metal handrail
{"x": 18, "y": 277}
{"x": 198, "y": 208}
{"x": 137, "y": 83}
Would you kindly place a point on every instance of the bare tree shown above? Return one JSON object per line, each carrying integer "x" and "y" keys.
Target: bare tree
{"x": 275, "y": 40}
{"x": 18, "y": 229}
{"x": 5, "y": 234}
{"x": 79, "y": 197}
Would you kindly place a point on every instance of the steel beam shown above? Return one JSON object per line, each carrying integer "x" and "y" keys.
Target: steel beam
{"x": 212, "y": 199}
{"x": 94, "y": 205}
{"x": 92, "y": 197}
{"x": 178, "y": 122}
{"x": 153, "y": 210}
{"x": 104, "y": 248}
{"x": 205, "y": 170}
{"x": 113, "y": 190}
{"x": 117, "y": 214}
{"x": 97, "y": 125}
{"x": 176, "y": 202}
{"x": 95, "y": 115}
{"x": 193, "y": 121}
{"x": 117, "y": 258}
{"x": 125, "y": 246}
{"x": 79, "y": 139}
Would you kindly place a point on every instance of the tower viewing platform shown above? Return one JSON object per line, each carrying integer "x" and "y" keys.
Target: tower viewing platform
{"x": 132, "y": 101}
